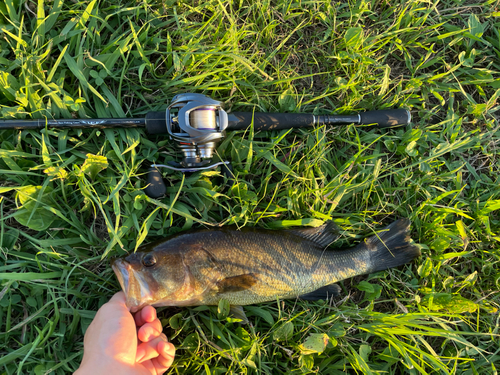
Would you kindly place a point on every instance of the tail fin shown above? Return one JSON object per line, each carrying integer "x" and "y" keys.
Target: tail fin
{"x": 391, "y": 247}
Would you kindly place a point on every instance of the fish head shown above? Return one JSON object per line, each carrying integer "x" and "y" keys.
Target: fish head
{"x": 150, "y": 278}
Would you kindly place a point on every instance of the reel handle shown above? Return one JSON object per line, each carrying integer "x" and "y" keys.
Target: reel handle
{"x": 156, "y": 187}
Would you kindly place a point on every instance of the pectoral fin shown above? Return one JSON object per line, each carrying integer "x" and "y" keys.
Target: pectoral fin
{"x": 238, "y": 313}
{"x": 324, "y": 293}
{"x": 236, "y": 283}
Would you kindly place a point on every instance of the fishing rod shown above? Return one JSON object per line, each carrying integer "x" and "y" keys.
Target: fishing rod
{"x": 196, "y": 123}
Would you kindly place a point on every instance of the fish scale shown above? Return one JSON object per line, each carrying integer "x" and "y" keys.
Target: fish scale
{"x": 254, "y": 265}
{"x": 281, "y": 271}
{"x": 291, "y": 268}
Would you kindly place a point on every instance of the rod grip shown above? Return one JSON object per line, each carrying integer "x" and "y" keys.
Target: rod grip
{"x": 269, "y": 121}
{"x": 156, "y": 122}
{"x": 386, "y": 118}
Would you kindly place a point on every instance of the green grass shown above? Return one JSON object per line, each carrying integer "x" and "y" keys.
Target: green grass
{"x": 64, "y": 213}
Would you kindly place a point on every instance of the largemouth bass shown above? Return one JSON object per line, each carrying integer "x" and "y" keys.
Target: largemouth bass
{"x": 254, "y": 265}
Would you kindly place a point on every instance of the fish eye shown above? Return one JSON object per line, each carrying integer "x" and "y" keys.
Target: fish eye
{"x": 149, "y": 260}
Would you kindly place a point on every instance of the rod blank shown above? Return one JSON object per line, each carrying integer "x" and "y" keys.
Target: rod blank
{"x": 103, "y": 123}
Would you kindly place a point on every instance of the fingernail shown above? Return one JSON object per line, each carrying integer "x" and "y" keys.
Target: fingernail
{"x": 164, "y": 337}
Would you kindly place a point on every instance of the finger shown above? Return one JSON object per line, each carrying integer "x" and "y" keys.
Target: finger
{"x": 147, "y": 350}
{"x": 163, "y": 362}
{"x": 159, "y": 366}
{"x": 140, "y": 353}
{"x": 149, "y": 331}
{"x": 147, "y": 314}
{"x": 150, "y": 367}
{"x": 118, "y": 298}
{"x": 113, "y": 309}
{"x": 166, "y": 352}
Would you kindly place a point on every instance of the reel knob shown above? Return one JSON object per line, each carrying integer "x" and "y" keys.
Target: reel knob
{"x": 156, "y": 187}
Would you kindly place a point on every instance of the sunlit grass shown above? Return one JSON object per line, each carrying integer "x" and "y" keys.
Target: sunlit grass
{"x": 71, "y": 199}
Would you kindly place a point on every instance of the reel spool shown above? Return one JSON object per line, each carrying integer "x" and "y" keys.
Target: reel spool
{"x": 196, "y": 123}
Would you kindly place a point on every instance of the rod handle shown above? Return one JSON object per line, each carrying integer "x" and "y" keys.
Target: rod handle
{"x": 156, "y": 122}
{"x": 269, "y": 121}
{"x": 386, "y": 118}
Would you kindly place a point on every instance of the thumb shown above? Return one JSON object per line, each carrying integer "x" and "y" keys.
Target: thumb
{"x": 119, "y": 298}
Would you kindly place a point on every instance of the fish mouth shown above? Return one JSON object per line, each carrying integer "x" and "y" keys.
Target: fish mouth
{"x": 133, "y": 284}
{"x": 121, "y": 269}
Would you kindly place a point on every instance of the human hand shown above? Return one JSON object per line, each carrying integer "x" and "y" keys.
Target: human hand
{"x": 118, "y": 343}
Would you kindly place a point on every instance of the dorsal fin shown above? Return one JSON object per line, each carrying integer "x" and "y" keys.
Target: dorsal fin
{"x": 323, "y": 235}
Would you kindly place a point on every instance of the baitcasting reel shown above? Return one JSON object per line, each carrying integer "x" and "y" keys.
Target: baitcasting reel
{"x": 196, "y": 123}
